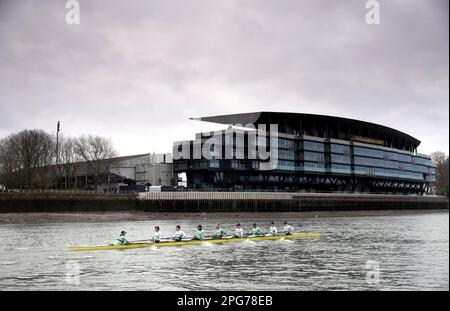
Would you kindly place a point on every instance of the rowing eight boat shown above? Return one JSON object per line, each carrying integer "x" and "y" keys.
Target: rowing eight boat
{"x": 190, "y": 242}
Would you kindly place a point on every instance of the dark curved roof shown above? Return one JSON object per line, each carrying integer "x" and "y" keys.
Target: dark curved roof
{"x": 322, "y": 126}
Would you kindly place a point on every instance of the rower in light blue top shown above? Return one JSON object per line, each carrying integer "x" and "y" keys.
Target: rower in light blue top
{"x": 220, "y": 232}
{"x": 199, "y": 234}
{"x": 256, "y": 231}
{"x": 122, "y": 240}
{"x": 157, "y": 235}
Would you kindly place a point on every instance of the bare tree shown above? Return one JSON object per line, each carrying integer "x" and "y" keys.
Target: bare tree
{"x": 25, "y": 158}
{"x": 440, "y": 159}
{"x": 9, "y": 163}
{"x": 98, "y": 152}
{"x": 46, "y": 153}
{"x": 69, "y": 160}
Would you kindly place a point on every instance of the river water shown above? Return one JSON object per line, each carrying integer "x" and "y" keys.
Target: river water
{"x": 374, "y": 252}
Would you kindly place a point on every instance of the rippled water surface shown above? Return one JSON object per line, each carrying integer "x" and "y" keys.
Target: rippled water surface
{"x": 410, "y": 250}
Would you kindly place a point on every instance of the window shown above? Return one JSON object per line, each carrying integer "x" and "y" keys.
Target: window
{"x": 286, "y": 155}
{"x": 286, "y": 143}
{"x": 369, "y": 161}
{"x": 367, "y": 152}
{"x": 362, "y": 170}
{"x": 334, "y": 148}
{"x": 314, "y": 167}
{"x": 404, "y": 158}
{"x": 314, "y": 156}
{"x": 390, "y": 155}
{"x": 422, "y": 161}
{"x": 336, "y": 158}
{"x": 313, "y": 146}
{"x": 391, "y": 164}
{"x": 411, "y": 175}
{"x": 343, "y": 169}
{"x": 287, "y": 166}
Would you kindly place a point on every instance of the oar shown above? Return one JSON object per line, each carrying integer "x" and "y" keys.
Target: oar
{"x": 136, "y": 241}
{"x": 208, "y": 237}
{"x": 151, "y": 240}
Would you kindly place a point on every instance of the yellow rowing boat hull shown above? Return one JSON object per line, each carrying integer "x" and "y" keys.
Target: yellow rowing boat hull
{"x": 193, "y": 242}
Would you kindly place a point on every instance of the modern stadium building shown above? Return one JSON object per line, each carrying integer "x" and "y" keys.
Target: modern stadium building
{"x": 278, "y": 151}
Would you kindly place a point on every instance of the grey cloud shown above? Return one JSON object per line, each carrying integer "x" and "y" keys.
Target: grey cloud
{"x": 136, "y": 71}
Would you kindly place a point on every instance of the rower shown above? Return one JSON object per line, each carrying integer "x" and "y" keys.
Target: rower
{"x": 157, "y": 235}
{"x": 220, "y": 232}
{"x": 239, "y": 232}
{"x": 122, "y": 240}
{"x": 256, "y": 231}
{"x": 287, "y": 228}
{"x": 199, "y": 234}
{"x": 179, "y": 234}
{"x": 273, "y": 229}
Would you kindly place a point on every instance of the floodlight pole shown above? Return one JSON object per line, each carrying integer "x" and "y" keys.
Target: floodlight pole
{"x": 57, "y": 153}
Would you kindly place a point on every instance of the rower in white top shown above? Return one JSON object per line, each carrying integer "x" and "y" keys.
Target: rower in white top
{"x": 273, "y": 229}
{"x": 287, "y": 229}
{"x": 157, "y": 235}
{"x": 239, "y": 232}
{"x": 179, "y": 234}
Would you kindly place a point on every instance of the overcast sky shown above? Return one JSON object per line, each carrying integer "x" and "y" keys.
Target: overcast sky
{"x": 135, "y": 71}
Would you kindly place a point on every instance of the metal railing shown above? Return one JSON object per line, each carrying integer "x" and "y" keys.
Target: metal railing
{"x": 68, "y": 191}
{"x": 190, "y": 195}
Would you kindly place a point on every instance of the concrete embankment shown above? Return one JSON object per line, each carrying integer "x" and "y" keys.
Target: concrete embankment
{"x": 213, "y": 202}
{"x": 282, "y": 202}
{"x": 65, "y": 202}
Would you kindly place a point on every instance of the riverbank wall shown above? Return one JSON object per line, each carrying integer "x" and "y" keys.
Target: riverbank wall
{"x": 213, "y": 202}
{"x": 49, "y": 202}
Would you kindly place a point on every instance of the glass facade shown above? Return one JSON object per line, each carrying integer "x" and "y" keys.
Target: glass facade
{"x": 313, "y": 157}
{"x": 323, "y": 157}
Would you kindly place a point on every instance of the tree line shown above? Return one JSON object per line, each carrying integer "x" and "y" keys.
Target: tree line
{"x": 30, "y": 159}
{"x": 33, "y": 159}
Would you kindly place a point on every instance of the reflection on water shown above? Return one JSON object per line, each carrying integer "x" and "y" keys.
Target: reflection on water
{"x": 411, "y": 252}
